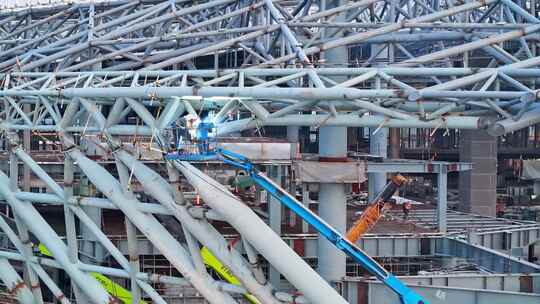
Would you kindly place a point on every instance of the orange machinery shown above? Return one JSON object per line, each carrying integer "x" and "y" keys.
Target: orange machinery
{"x": 374, "y": 211}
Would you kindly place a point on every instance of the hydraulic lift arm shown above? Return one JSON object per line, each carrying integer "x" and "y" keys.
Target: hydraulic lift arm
{"x": 406, "y": 295}
{"x": 374, "y": 211}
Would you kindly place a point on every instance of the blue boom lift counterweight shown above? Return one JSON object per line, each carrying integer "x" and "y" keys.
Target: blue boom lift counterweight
{"x": 405, "y": 294}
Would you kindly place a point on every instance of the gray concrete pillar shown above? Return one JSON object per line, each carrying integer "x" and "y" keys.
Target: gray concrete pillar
{"x": 442, "y": 196}
{"x": 13, "y": 171}
{"x": 274, "y": 214}
{"x": 536, "y": 187}
{"x": 378, "y": 145}
{"x": 333, "y": 147}
{"x": 306, "y": 201}
{"x": 478, "y": 187}
{"x": 292, "y": 137}
{"x": 332, "y": 203}
{"x": 333, "y": 209}
{"x": 378, "y": 140}
{"x": 274, "y": 206}
{"x": 90, "y": 245}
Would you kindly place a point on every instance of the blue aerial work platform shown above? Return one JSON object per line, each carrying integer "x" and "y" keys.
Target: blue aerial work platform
{"x": 406, "y": 295}
{"x": 200, "y": 150}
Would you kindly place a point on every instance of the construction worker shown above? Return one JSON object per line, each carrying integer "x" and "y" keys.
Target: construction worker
{"x": 406, "y": 209}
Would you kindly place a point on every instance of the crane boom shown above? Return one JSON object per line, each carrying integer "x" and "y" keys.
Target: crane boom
{"x": 406, "y": 295}
{"x": 373, "y": 212}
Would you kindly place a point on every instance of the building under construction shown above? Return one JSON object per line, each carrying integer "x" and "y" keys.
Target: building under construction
{"x": 270, "y": 151}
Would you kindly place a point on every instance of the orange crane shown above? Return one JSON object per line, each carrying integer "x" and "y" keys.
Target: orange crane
{"x": 374, "y": 211}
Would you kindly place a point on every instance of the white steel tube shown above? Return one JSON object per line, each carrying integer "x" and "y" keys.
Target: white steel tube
{"x": 14, "y": 283}
{"x": 255, "y": 230}
{"x": 151, "y": 228}
{"x": 41, "y": 229}
{"x": 158, "y": 188}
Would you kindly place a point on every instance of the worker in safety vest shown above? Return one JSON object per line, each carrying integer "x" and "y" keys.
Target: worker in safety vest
{"x": 406, "y": 209}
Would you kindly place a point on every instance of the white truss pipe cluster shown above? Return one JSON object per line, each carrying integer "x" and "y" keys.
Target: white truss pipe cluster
{"x": 43, "y": 231}
{"x": 88, "y": 68}
{"x": 22, "y": 4}
{"x": 158, "y": 188}
{"x": 148, "y": 225}
{"x": 262, "y": 237}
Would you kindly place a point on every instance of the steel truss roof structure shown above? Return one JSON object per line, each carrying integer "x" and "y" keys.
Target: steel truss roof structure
{"x": 83, "y": 68}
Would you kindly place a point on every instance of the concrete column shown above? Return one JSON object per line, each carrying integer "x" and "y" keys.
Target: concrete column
{"x": 536, "y": 187}
{"x": 378, "y": 141}
{"x": 333, "y": 143}
{"x": 378, "y": 145}
{"x": 292, "y": 137}
{"x": 442, "y": 195}
{"x": 274, "y": 214}
{"x": 305, "y": 201}
{"x": 90, "y": 245}
{"x": 258, "y": 196}
{"x": 333, "y": 147}
{"x": 274, "y": 206}
{"x": 13, "y": 171}
{"x": 333, "y": 209}
{"x": 332, "y": 203}
{"x": 478, "y": 187}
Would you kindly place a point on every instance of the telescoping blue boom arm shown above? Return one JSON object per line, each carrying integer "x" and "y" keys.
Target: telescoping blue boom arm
{"x": 406, "y": 295}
